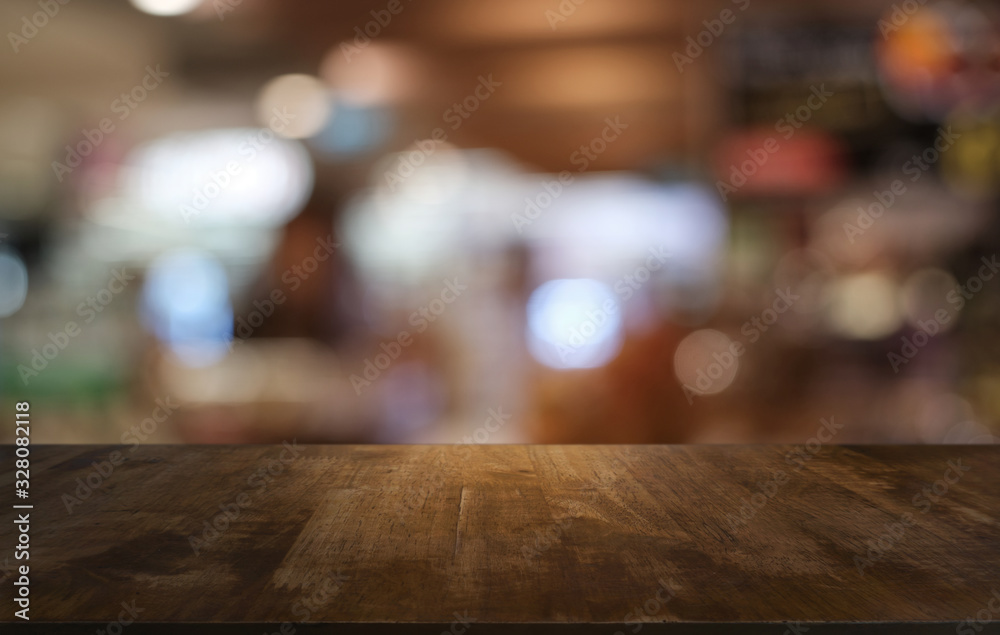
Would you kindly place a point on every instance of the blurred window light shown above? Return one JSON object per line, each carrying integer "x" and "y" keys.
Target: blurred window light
{"x": 706, "y": 361}
{"x": 166, "y": 7}
{"x": 864, "y": 306}
{"x": 13, "y": 283}
{"x": 227, "y": 176}
{"x": 185, "y": 303}
{"x": 595, "y": 225}
{"x": 430, "y": 173}
{"x": 574, "y": 324}
{"x": 429, "y": 206}
{"x": 294, "y": 106}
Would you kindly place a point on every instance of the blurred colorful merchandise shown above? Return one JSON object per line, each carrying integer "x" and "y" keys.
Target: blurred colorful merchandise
{"x": 939, "y": 56}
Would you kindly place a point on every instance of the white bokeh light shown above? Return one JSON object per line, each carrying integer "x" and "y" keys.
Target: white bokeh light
{"x": 574, "y": 323}
{"x": 864, "y": 306}
{"x": 239, "y": 175}
{"x": 166, "y": 7}
{"x": 599, "y": 223}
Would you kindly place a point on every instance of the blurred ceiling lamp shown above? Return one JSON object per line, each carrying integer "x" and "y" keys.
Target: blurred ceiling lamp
{"x": 185, "y": 303}
{"x": 218, "y": 177}
{"x": 166, "y": 7}
{"x": 13, "y": 283}
{"x": 574, "y": 324}
{"x": 377, "y": 74}
{"x": 704, "y": 362}
{"x": 294, "y": 106}
{"x": 863, "y": 306}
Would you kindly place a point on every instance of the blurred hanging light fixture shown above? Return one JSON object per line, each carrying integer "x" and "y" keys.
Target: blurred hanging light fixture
{"x": 166, "y": 7}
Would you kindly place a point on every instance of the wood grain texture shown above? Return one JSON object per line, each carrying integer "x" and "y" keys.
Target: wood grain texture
{"x": 514, "y": 534}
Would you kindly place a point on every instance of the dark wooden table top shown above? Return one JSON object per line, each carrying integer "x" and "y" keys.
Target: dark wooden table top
{"x": 699, "y": 539}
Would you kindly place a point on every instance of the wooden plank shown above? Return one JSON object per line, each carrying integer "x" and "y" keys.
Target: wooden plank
{"x": 723, "y": 536}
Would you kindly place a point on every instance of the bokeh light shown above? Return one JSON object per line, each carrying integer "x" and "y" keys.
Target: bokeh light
{"x": 353, "y": 130}
{"x": 596, "y": 225}
{"x": 864, "y": 306}
{"x": 185, "y": 303}
{"x": 617, "y": 187}
{"x": 295, "y": 106}
{"x": 574, "y": 324}
{"x": 13, "y": 283}
{"x": 166, "y": 7}
{"x": 705, "y": 362}
{"x": 924, "y": 298}
{"x": 216, "y": 177}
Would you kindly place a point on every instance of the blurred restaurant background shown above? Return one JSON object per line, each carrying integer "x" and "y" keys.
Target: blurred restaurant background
{"x": 545, "y": 221}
